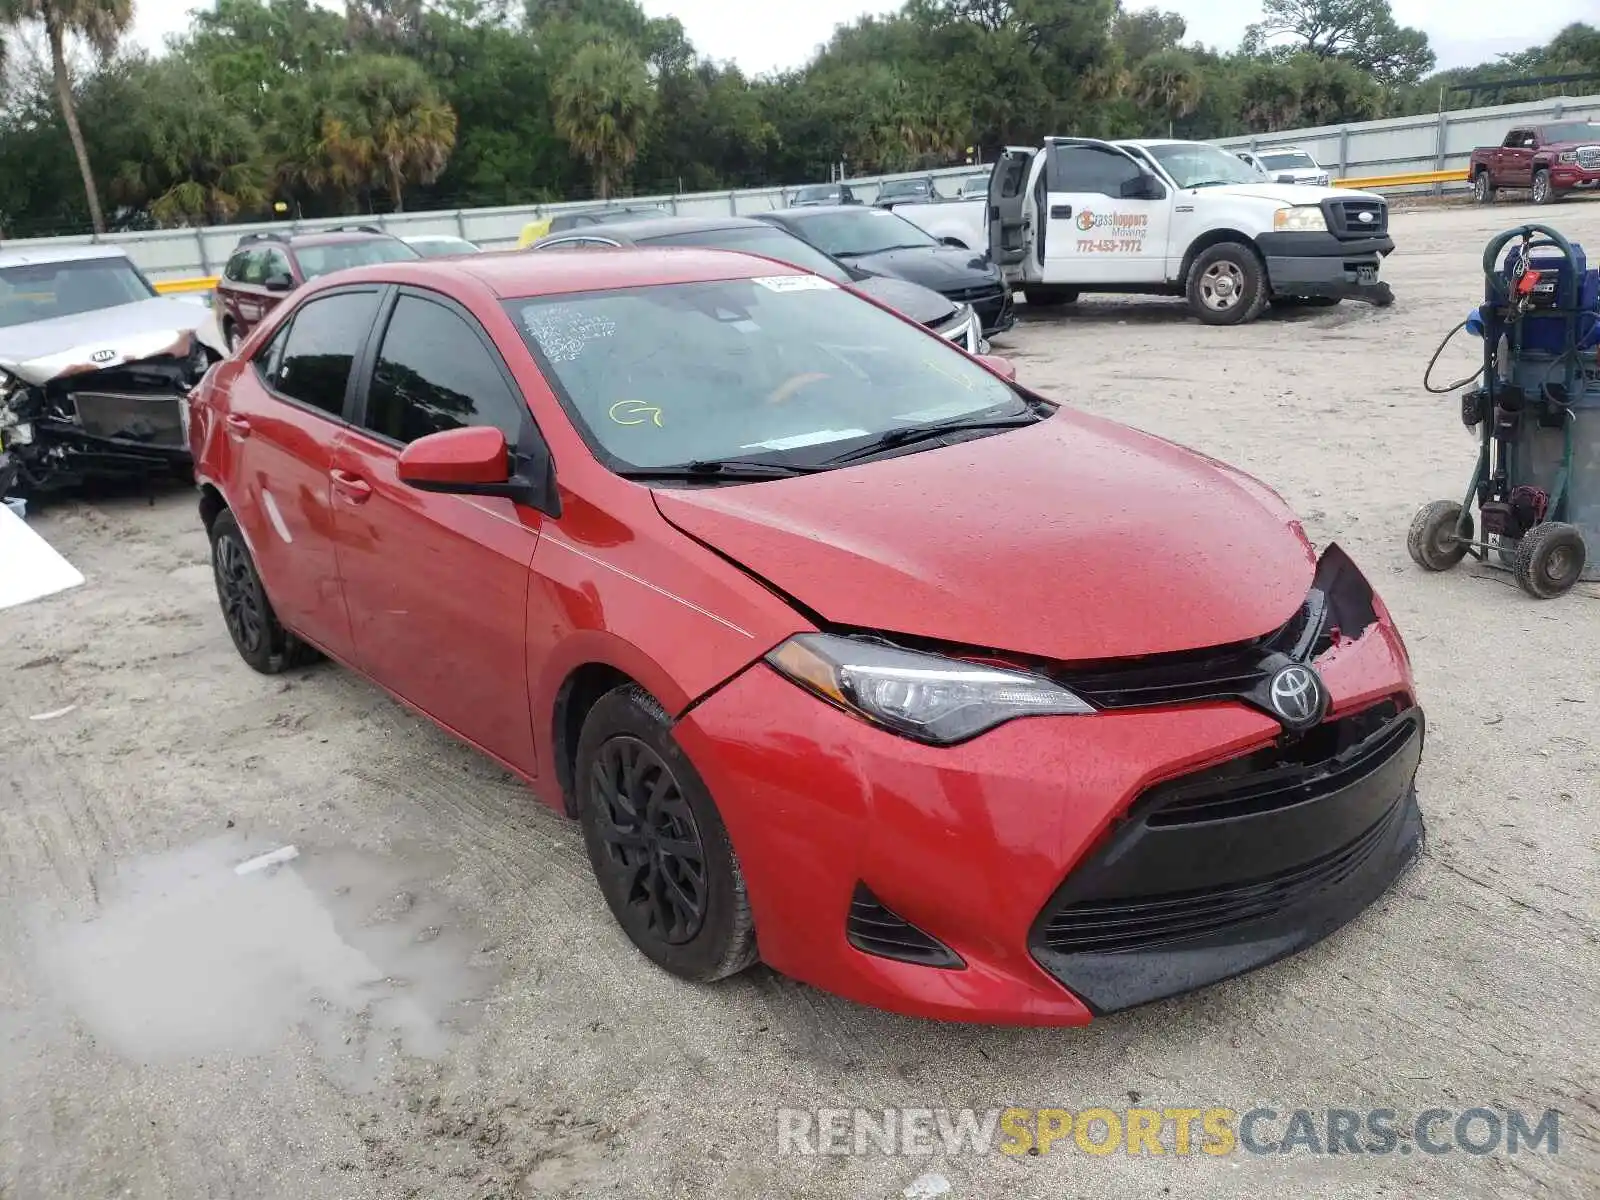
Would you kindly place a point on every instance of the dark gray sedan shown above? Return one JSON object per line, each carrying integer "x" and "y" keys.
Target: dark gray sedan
{"x": 954, "y": 320}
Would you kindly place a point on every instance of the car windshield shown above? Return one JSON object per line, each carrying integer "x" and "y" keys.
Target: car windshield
{"x": 820, "y": 192}
{"x": 41, "y": 291}
{"x": 442, "y": 247}
{"x": 786, "y": 368}
{"x": 1292, "y": 161}
{"x": 975, "y": 185}
{"x": 1572, "y": 131}
{"x": 853, "y": 234}
{"x": 340, "y": 256}
{"x": 906, "y": 187}
{"x": 765, "y": 240}
{"x": 1194, "y": 164}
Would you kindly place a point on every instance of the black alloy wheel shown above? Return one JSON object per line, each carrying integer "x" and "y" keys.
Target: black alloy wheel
{"x": 653, "y": 848}
{"x": 260, "y": 638}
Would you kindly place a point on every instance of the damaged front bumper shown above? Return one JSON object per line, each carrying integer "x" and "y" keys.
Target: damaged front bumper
{"x": 123, "y": 420}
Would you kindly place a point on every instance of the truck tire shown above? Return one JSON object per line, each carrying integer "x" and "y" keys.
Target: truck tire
{"x": 1543, "y": 191}
{"x": 1049, "y": 297}
{"x": 1227, "y": 285}
{"x": 1483, "y": 188}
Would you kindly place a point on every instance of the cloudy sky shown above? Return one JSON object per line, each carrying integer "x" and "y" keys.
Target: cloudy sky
{"x": 786, "y": 32}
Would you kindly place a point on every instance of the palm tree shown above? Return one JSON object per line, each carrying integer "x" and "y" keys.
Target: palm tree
{"x": 1170, "y": 83}
{"x": 603, "y": 100}
{"x": 385, "y": 124}
{"x": 101, "y": 23}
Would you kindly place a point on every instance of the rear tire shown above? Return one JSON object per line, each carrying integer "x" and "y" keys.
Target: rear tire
{"x": 1550, "y": 558}
{"x": 657, "y": 844}
{"x": 1483, "y": 189}
{"x": 1432, "y": 540}
{"x": 1227, "y": 285}
{"x": 257, "y": 634}
{"x": 1543, "y": 191}
{"x": 1049, "y": 297}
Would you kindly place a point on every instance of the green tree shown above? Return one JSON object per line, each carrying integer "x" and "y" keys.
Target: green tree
{"x": 1169, "y": 82}
{"x": 101, "y": 23}
{"x": 1363, "y": 32}
{"x": 385, "y": 125}
{"x": 603, "y": 102}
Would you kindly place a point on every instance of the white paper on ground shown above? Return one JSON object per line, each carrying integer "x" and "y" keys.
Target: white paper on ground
{"x": 271, "y": 858}
{"x": 29, "y": 567}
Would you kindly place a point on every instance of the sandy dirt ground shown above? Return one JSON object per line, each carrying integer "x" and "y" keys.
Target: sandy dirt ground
{"x": 432, "y": 1001}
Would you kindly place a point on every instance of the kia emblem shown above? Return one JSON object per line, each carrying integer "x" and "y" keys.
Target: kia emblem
{"x": 102, "y": 356}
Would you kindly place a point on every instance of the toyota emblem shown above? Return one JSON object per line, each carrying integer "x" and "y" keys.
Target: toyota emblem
{"x": 1297, "y": 696}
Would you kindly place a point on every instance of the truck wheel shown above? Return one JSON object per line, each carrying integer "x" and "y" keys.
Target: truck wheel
{"x": 1543, "y": 193}
{"x": 1049, "y": 297}
{"x": 1227, "y": 285}
{"x": 1483, "y": 188}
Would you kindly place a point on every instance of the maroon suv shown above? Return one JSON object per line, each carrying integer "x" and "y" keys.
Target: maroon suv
{"x": 265, "y": 267}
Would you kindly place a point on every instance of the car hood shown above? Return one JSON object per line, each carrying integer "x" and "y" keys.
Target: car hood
{"x": 159, "y": 327}
{"x": 1074, "y": 539}
{"x": 1284, "y": 193}
{"x": 942, "y": 268}
{"x": 921, "y": 304}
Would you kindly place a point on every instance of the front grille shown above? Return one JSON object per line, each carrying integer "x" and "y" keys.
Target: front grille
{"x": 1331, "y": 756}
{"x": 1589, "y": 158}
{"x": 155, "y": 419}
{"x": 873, "y": 929}
{"x": 1113, "y": 926}
{"x": 988, "y": 293}
{"x": 1344, "y": 218}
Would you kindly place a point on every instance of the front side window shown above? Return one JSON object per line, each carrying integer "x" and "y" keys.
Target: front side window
{"x": 434, "y": 373}
{"x": 1518, "y": 138}
{"x": 788, "y": 368}
{"x": 341, "y": 256}
{"x": 1090, "y": 169}
{"x": 276, "y": 266}
{"x": 763, "y": 240}
{"x": 855, "y": 234}
{"x": 41, "y": 291}
{"x": 323, "y": 342}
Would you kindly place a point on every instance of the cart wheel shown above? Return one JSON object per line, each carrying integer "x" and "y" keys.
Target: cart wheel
{"x": 1550, "y": 558}
{"x": 1433, "y": 541}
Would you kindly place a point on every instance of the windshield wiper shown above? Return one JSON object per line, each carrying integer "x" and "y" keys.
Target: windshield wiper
{"x": 1212, "y": 183}
{"x": 895, "y": 438}
{"x": 720, "y": 468}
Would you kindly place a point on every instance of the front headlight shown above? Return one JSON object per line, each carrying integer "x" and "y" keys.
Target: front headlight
{"x": 1569, "y": 156}
{"x": 925, "y": 697}
{"x": 1301, "y": 218}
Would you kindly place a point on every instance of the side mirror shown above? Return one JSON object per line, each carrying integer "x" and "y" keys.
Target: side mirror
{"x": 278, "y": 283}
{"x": 1002, "y": 367}
{"x": 1146, "y": 187}
{"x": 475, "y": 460}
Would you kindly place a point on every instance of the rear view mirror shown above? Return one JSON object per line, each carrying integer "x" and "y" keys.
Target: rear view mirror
{"x": 1002, "y": 367}
{"x": 475, "y": 460}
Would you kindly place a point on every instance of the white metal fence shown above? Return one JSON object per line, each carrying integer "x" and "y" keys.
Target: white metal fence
{"x": 1395, "y": 146}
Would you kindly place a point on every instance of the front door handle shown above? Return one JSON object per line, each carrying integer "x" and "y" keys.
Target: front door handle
{"x": 1061, "y": 211}
{"x": 352, "y": 487}
{"x": 238, "y": 428}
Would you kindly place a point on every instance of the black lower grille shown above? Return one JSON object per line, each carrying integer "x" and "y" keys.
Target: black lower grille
{"x": 1111, "y": 926}
{"x": 873, "y": 929}
{"x": 1357, "y": 218}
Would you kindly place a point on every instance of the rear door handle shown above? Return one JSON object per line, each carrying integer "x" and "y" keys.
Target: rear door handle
{"x": 1061, "y": 211}
{"x": 238, "y": 428}
{"x": 352, "y": 487}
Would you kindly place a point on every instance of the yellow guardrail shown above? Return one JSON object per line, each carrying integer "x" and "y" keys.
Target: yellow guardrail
{"x": 1418, "y": 177}
{"x": 168, "y": 287}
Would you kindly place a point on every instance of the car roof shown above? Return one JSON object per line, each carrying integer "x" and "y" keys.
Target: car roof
{"x": 294, "y": 239}
{"x": 511, "y": 276}
{"x": 653, "y": 227}
{"x": 34, "y": 256}
{"x": 822, "y": 210}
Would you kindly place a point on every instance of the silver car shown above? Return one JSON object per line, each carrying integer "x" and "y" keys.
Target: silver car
{"x": 95, "y": 367}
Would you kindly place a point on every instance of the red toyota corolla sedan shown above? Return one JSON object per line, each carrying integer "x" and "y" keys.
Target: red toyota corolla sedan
{"x": 849, "y": 653}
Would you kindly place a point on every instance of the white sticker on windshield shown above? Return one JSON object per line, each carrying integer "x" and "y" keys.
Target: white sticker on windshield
{"x": 806, "y": 439}
{"x": 563, "y": 330}
{"x": 794, "y": 283}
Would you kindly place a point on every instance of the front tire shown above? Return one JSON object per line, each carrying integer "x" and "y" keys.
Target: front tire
{"x": 1227, "y": 285}
{"x": 258, "y": 636}
{"x": 1483, "y": 189}
{"x": 657, "y": 844}
{"x": 1543, "y": 191}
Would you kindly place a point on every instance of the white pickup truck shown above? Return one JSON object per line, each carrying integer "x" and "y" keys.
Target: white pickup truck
{"x": 1167, "y": 218}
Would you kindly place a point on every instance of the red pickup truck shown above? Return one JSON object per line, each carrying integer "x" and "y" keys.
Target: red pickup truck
{"x": 1547, "y": 160}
